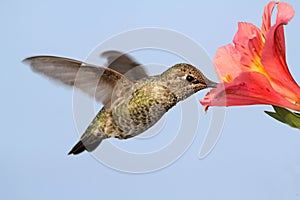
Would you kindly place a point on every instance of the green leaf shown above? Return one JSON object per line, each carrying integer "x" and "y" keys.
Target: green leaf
{"x": 285, "y": 116}
{"x": 275, "y": 116}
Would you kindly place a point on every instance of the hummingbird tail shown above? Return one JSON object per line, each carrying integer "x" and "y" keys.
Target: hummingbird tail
{"x": 81, "y": 146}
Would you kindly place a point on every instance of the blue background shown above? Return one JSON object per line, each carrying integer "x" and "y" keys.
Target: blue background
{"x": 255, "y": 158}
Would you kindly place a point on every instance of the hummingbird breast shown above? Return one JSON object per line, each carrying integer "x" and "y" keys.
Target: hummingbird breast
{"x": 147, "y": 103}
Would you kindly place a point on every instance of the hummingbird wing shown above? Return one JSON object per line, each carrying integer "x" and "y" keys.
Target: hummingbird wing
{"x": 124, "y": 64}
{"x": 96, "y": 81}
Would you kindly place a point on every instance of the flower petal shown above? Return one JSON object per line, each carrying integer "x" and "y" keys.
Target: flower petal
{"x": 244, "y": 55}
{"x": 285, "y": 13}
{"x": 227, "y": 59}
{"x": 249, "y": 42}
{"x": 273, "y": 55}
{"x": 247, "y": 89}
{"x": 266, "y": 18}
{"x": 248, "y": 39}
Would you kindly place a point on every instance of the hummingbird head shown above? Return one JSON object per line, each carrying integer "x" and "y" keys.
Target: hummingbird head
{"x": 184, "y": 80}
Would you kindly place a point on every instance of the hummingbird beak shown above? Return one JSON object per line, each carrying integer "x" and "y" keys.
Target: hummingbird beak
{"x": 211, "y": 84}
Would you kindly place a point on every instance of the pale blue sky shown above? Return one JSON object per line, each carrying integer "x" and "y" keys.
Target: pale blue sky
{"x": 255, "y": 158}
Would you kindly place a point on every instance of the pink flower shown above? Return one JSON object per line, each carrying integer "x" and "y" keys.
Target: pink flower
{"x": 253, "y": 69}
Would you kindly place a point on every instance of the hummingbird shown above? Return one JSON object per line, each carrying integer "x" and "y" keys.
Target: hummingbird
{"x": 132, "y": 100}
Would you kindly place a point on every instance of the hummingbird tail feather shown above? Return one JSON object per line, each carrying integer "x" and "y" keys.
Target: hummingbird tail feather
{"x": 82, "y": 146}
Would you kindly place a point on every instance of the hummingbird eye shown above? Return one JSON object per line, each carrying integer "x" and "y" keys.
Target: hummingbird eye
{"x": 189, "y": 78}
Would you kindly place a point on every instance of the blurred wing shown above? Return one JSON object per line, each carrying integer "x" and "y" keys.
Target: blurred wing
{"x": 96, "y": 81}
{"x": 124, "y": 64}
